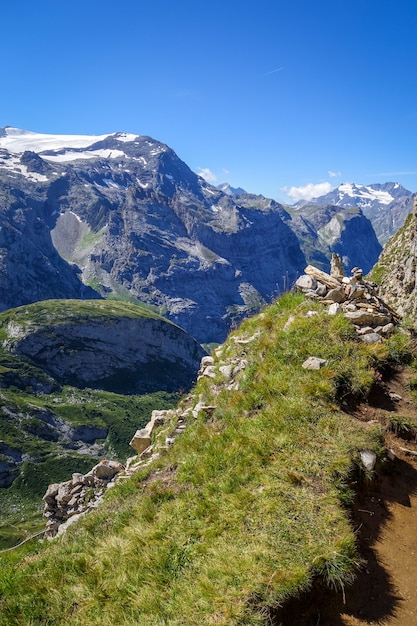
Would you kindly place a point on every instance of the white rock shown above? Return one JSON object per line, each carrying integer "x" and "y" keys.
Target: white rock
{"x": 314, "y": 363}
{"x": 368, "y": 459}
{"x": 306, "y": 282}
{"x": 334, "y": 308}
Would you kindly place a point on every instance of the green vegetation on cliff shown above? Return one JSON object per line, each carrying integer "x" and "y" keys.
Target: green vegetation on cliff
{"x": 247, "y": 508}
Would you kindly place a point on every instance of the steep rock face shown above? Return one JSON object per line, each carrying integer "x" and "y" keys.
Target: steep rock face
{"x": 122, "y": 352}
{"x": 397, "y": 268}
{"x": 30, "y": 267}
{"x": 323, "y": 230}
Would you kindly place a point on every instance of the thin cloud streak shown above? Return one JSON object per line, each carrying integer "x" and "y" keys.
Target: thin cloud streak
{"x": 273, "y": 71}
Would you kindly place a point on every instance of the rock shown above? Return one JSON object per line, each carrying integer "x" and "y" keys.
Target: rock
{"x": 64, "y": 493}
{"x": 205, "y": 361}
{"x": 314, "y": 363}
{"x": 334, "y": 309}
{"x": 371, "y": 338}
{"x": 140, "y": 440}
{"x": 306, "y": 282}
{"x": 357, "y": 274}
{"x": 336, "y": 268}
{"x": 321, "y": 289}
{"x": 387, "y": 330}
{"x": 105, "y": 470}
{"x": 368, "y": 459}
{"x": 51, "y": 492}
{"x": 395, "y": 397}
{"x": 354, "y": 292}
{"x": 207, "y": 372}
{"x": 364, "y": 330}
{"x": 366, "y": 318}
{"x": 336, "y": 295}
{"x": 288, "y": 323}
{"x": 77, "y": 478}
{"x": 226, "y": 370}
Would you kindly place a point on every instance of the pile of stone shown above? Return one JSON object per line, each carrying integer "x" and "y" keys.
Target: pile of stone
{"x": 354, "y": 297}
{"x": 66, "y": 502}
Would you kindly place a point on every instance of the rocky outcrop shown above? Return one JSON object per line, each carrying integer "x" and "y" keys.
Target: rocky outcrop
{"x": 30, "y": 267}
{"x": 66, "y": 502}
{"x": 121, "y": 348}
{"x": 396, "y": 269}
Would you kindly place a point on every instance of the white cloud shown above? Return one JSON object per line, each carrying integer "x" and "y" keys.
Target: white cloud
{"x": 207, "y": 174}
{"x": 307, "y": 192}
{"x": 334, "y": 174}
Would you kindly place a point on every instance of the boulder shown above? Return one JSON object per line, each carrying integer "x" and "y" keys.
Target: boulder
{"x": 140, "y": 440}
{"x": 366, "y": 318}
{"x": 306, "y": 282}
{"x": 105, "y": 470}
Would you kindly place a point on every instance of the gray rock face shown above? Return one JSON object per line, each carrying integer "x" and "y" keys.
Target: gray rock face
{"x": 118, "y": 353}
{"x": 326, "y": 230}
{"x": 397, "y": 266}
{"x": 30, "y": 267}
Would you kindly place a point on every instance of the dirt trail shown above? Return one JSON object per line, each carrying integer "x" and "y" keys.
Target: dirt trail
{"x": 385, "y": 518}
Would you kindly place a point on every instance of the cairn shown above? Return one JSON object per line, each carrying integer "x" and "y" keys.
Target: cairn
{"x": 353, "y": 296}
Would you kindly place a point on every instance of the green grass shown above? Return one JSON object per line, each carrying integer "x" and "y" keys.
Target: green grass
{"x": 246, "y": 508}
{"x": 54, "y": 312}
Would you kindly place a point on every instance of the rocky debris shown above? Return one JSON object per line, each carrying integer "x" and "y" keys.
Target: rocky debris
{"x": 71, "y": 499}
{"x": 354, "y": 297}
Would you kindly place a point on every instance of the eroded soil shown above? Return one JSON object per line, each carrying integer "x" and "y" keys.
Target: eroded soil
{"x": 385, "y": 519}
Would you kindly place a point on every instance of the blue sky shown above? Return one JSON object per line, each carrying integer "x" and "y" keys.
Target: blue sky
{"x": 274, "y": 96}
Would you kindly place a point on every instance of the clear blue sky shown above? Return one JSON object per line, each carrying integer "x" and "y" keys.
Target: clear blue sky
{"x": 268, "y": 94}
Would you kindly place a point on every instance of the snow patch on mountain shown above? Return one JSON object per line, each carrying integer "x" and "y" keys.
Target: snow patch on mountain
{"x": 364, "y": 193}
{"x": 12, "y": 163}
{"x": 73, "y": 155}
{"x": 17, "y": 140}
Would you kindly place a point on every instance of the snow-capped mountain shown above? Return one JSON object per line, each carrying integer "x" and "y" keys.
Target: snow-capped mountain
{"x": 385, "y": 205}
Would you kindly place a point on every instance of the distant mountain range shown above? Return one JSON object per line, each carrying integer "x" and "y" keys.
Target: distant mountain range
{"x": 385, "y": 205}
{"x": 121, "y": 215}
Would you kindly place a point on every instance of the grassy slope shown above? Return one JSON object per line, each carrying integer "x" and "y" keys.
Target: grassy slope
{"x": 21, "y": 406}
{"x": 53, "y": 312}
{"x": 243, "y": 511}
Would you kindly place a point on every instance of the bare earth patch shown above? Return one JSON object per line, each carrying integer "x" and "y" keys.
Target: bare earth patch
{"x": 385, "y": 518}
